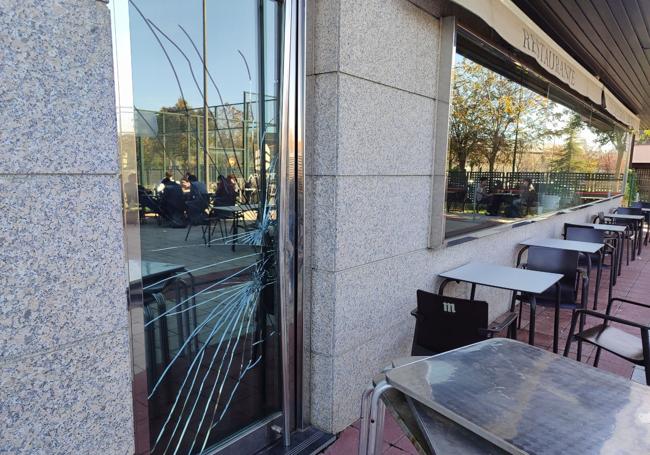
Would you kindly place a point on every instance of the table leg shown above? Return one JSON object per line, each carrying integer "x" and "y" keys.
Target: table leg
{"x": 556, "y": 322}
{"x": 472, "y": 292}
{"x": 235, "y": 229}
{"x": 640, "y": 237}
{"x": 612, "y": 278}
{"x": 620, "y": 253}
{"x": 599, "y": 274}
{"x": 365, "y": 420}
{"x": 531, "y": 325}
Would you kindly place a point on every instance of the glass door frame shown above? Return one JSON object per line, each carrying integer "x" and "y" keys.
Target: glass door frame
{"x": 277, "y": 426}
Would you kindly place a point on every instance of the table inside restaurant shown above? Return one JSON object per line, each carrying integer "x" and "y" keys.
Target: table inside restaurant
{"x": 502, "y": 277}
{"x": 525, "y": 400}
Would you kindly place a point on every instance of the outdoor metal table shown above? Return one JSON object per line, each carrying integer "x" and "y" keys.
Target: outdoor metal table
{"x": 155, "y": 277}
{"x": 587, "y": 248}
{"x": 510, "y": 278}
{"x": 234, "y": 212}
{"x": 638, "y": 226}
{"x": 524, "y": 400}
{"x": 152, "y": 271}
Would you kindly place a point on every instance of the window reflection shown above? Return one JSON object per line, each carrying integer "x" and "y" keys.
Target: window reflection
{"x": 515, "y": 153}
{"x": 202, "y": 189}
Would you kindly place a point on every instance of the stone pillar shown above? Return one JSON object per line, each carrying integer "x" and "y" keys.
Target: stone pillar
{"x": 371, "y": 100}
{"x": 65, "y": 376}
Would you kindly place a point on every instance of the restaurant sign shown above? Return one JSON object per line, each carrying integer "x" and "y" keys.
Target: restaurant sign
{"x": 522, "y": 33}
{"x": 548, "y": 58}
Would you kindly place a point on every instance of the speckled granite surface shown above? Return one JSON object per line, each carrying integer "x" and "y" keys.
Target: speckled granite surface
{"x": 65, "y": 370}
{"x": 75, "y": 400}
{"x": 56, "y": 87}
{"x": 64, "y": 277}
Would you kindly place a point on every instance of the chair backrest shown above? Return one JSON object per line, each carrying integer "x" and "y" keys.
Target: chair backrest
{"x": 584, "y": 234}
{"x": 554, "y": 260}
{"x": 196, "y": 212}
{"x": 445, "y": 323}
{"x": 629, "y": 211}
{"x": 599, "y": 218}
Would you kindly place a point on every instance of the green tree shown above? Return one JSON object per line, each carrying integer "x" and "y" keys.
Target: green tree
{"x": 490, "y": 115}
{"x": 571, "y": 157}
{"x": 618, "y": 138}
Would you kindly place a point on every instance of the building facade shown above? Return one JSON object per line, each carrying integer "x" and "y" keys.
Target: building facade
{"x": 323, "y": 138}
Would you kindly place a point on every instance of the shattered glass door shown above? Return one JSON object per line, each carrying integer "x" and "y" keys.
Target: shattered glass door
{"x": 199, "y": 144}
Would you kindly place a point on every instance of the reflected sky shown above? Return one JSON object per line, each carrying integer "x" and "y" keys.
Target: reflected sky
{"x": 231, "y": 28}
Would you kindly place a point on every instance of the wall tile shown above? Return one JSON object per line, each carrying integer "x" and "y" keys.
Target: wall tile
{"x": 354, "y": 370}
{"x": 379, "y": 217}
{"x": 324, "y": 229}
{"x": 64, "y": 276}
{"x": 321, "y": 398}
{"x": 325, "y": 18}
{"x": 323, "y": 304}
{"x": 322, "y": 118}
{"x": 56, "y": 81}
{"x": 390, "y": 41}
{"x": 383, "y": 131}
{"x": 74, "y": 400}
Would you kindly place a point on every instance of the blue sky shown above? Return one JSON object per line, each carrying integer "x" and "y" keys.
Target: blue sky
{"x": 232, "y": 26}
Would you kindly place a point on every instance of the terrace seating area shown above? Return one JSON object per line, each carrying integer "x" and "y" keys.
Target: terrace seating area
{"x": 583, "y": 296}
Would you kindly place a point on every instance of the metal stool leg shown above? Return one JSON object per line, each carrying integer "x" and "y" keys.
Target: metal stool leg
{"x": 376, "y": 430}
{"x": 364, "y": 421}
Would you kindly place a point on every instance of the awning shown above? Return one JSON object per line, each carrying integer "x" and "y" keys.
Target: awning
{"x": 522, "y": 33}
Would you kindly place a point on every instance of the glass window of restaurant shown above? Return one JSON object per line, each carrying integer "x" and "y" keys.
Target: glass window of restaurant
{"x": 197, "y": 101}
{"x": 520, "y": 146}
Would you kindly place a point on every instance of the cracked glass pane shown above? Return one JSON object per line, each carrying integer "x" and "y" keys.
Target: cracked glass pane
{"x": 199, "y": 144}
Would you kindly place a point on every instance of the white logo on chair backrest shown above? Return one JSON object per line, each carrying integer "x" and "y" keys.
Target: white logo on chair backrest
{"x": 449, "y": 307}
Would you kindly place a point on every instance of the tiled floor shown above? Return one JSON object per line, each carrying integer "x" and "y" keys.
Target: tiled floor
{"x": 633, "y": 284}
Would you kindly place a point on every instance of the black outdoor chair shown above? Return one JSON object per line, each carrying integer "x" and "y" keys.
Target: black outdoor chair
{"x": 173, "y": 206}
{"x": 456, "y": 196}
{"x": 613, "y": 339}
{"x": 444, "y": 323}
{"x": 587, "y": 261}
{"x": 197, "y": 216}
{"x": 565, "y": 263}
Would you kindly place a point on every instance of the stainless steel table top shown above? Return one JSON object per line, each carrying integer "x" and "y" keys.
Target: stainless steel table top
{"x": 499, "y": 276}
{"x": 570, "y": 245}
{"x": 620, "y": 216}
{"x": 603, "y": 227}
{"x": 526, "y": 400}
{"x": 152, "y": 270}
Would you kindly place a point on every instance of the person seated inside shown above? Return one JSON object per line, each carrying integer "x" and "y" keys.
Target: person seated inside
{"x": 173, "y": 204}
{"x": 186, "y": 187}
{"x": 527, "y": 198}
{"x": 225, "y": 193}
{"x": 198, "y": 190}
{"x": 496, "y": 198}
{"x": 481, "y": 194}
{"x": 168, "y": 180}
